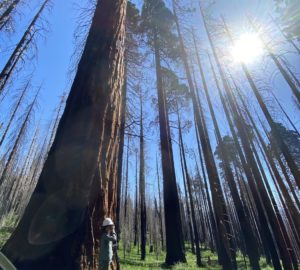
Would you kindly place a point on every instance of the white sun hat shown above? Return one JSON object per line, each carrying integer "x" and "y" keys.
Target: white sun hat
{"x": 107, "y": 222}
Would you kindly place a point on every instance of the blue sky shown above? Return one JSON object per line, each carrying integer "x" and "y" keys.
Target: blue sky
{"x": 51, "y": 69}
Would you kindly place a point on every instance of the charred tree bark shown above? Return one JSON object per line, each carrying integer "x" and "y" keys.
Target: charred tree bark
{"x": 281, "y": 144}
{"x": 81, "y": 164}
{"x": 192, "y": 207}
{"x": 135, "y": 228}
{"x": 188, "y": 221}
{"x": 160, "y": 208}
{"x": 126, "y": 182}
{"x": 250, "y": 241}
{"x": 143, "y": 214}
{"x": 174, "y": 238}
{"x": 121, "y": 152}
{"x": 226, "y": 253}
{"x": 269, "y": 245}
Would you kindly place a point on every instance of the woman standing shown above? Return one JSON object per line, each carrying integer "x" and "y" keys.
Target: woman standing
{"x": 108, "y": 237}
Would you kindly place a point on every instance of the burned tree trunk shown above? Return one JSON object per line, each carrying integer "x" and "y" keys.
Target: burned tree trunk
{"x": 57, "y": 226}
{"x": 21, "y": 47}
{"x": 5, "y": 16}
{"x": 174, "y": 238}
{"x": 142, "y": 186}
{"x": 189, "y": 188}
{"x": 226, "y": 253}
{"x": 250, "y": 241}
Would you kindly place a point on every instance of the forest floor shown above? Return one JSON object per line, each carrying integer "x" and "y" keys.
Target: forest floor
{"x": 131, "y": 261}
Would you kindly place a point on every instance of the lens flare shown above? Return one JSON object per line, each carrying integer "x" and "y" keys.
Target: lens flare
{"x": 247, "y": 49}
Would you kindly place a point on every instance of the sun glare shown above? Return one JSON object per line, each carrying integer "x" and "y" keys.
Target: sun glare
{"x": 247, "y": 49}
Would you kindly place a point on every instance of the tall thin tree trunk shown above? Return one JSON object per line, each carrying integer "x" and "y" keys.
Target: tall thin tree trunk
{"x": 126, "y": 182}
{"x": 188, "y": 219}
{"x": 289, "y": 40}
{"x": 250, "y": 241}
{"x": 19, "y": 50}
{"x": 226, "y": 253}
{"x": 136, "y": 205}
{"x": 270, "y": 245}
{"x": 121, "y": 151}
{"x": 142, "y": 186}
{"x": 189, "y": 188}
{"x": 12, "y": 117}
{"x": 17, "y": 142}
{"x": 174, "y": 237}
{"x": 283, "y": 72}
{"x": 5, "y": 16}
{"x": 160, "y": 207}
{"x": 286, "y": 115}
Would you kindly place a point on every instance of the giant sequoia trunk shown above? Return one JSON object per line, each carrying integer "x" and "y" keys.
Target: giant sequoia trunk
{"x": 76, "y": 189}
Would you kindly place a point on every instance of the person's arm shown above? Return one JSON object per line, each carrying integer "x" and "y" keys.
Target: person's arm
{"x": 111, "y": 237}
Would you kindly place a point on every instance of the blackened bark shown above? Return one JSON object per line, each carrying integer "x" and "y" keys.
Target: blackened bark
{"x": 250, "y": 241}
{"x": 269, "y": 244}
{"x": 191, "y": 199}
{"x": 53, "y": 229}
{"x": 226, "y": 253}
{"x": 143, "y": 214}
{"x": 174, "y": 238}
{"x": 121, "y": 152}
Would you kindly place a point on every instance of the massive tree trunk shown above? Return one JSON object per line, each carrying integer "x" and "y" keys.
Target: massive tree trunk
{"x": 76, "y": 187}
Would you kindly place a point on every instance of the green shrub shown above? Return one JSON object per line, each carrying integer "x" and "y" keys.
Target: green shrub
{"x": 7, "y": 226}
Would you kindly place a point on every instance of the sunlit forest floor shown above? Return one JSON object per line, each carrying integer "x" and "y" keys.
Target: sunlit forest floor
{"x": 132, "y": 261}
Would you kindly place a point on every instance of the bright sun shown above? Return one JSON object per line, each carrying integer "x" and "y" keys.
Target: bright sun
{"x": 247, "y": 49}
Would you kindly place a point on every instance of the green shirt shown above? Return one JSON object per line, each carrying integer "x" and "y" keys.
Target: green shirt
{"x": 106, "y": 243}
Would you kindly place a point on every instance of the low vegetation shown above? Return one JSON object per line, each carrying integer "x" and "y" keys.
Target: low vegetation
{"x": 131, "y": 261}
